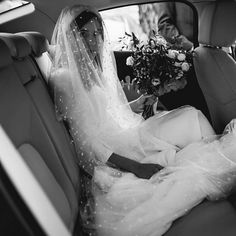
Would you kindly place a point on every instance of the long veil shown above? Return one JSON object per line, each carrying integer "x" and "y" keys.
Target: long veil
{"x": 88, "y": 95}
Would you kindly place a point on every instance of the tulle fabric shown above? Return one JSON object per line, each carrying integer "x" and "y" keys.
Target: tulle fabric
{"x": 126, "y": 205}
{"x": 88, "y": 95}
{"x": 90, "y": 99}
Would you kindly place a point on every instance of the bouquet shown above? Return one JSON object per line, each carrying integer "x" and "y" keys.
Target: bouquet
{"x": 157, "y": 68}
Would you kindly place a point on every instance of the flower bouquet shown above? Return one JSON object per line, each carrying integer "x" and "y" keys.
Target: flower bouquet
{"x": 157, "y": 68}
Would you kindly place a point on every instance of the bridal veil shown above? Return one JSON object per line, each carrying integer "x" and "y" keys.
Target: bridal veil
{"x": 88, "y": 95}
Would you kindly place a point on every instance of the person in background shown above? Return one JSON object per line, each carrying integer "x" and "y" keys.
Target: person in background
{"x": 175, "y": 24}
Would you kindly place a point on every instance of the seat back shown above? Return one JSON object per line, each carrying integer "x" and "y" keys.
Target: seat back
{"x": 40, "y": 51}
{"x": 27, "y": 115}
{"x": 215, "y": 68}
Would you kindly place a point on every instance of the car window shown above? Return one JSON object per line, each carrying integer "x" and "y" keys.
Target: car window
{"x": 120, "y": 21}
{"x": 175, "y": 21}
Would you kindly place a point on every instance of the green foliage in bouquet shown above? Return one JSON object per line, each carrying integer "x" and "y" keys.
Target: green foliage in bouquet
{"x": 157, "y": 68}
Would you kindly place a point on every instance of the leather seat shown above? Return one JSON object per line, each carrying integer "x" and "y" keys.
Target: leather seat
{"x": 207, "y": 219}
{"x": 27, "y": 115}
{"x": 215, "y": 68}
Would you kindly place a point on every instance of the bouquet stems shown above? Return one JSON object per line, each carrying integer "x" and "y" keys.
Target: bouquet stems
{"x": 148, "y": 111}
{"x": 149, "y": 108}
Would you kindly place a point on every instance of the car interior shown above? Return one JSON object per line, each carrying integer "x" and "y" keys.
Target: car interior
{"x": 34, "y": 141}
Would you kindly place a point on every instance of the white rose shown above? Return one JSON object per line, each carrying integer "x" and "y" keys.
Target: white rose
{"x": 171, "y": 53}
{"x": 177, "y": 64}
{"x": 130, "y": 61}
{"x": 179, "y": 76}
{"x": 181, "y": 57}
{"x": 130, "y": 44}
{"x": 175, "y": 52}
{"x": 161, "y": 41}
{"x": 152, "y": 44}
{"x": 185, "y": 66}
{"x": 156, "y": 81}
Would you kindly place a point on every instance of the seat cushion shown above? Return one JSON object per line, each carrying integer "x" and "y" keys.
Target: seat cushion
{"x": 46, "y": 179}
{"x": 207, "y": 219}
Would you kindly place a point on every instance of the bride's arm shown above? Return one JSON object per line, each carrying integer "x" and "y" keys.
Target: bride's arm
{"x": 106, "y": 155}
{"x": 138, "y": 104}
{"x": 230, "y": 126}
{"x": 141, "y": 170}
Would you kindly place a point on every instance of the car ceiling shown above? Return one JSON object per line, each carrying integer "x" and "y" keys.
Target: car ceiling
{"x": 47, "y": 11}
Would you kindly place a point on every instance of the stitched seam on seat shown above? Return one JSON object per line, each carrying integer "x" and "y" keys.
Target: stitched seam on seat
{"x": 223, "y": 72}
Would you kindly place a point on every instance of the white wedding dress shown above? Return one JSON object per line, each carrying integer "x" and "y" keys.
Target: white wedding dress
{"x": 90, "y": 99}
{"x": 127, "y": 205}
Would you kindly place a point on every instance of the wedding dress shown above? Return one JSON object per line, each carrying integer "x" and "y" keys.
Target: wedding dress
{"x": 126, "y": 205}
{"x": 90, "y": 99}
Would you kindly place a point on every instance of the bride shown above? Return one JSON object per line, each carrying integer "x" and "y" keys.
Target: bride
{"x": 90, "y": 98}
{"x": 117, "y": 146}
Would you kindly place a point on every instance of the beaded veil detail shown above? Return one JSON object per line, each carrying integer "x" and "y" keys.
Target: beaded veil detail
{"x": 88, "y": 95}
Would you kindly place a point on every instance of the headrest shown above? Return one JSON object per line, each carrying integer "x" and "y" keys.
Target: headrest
{"x": 5, "y": 55}
{"x": 217, "y": 24}
{"x": 18, "y": 45}
{"x": 39, "y": 43}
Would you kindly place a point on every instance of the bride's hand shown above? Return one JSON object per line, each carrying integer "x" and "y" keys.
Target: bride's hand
{"x": 137, "y": 105}
{"x": 147, "y": 170}
{"x": 230, "y": 127}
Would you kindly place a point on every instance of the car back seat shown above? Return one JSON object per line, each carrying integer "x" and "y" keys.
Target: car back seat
{"x": 207, "y": 219}
{"x": 36, "y": 88}
{"x": 216, "y": 68}
{"x": 27, "y": 115}
{"x": 24, "y": 108}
